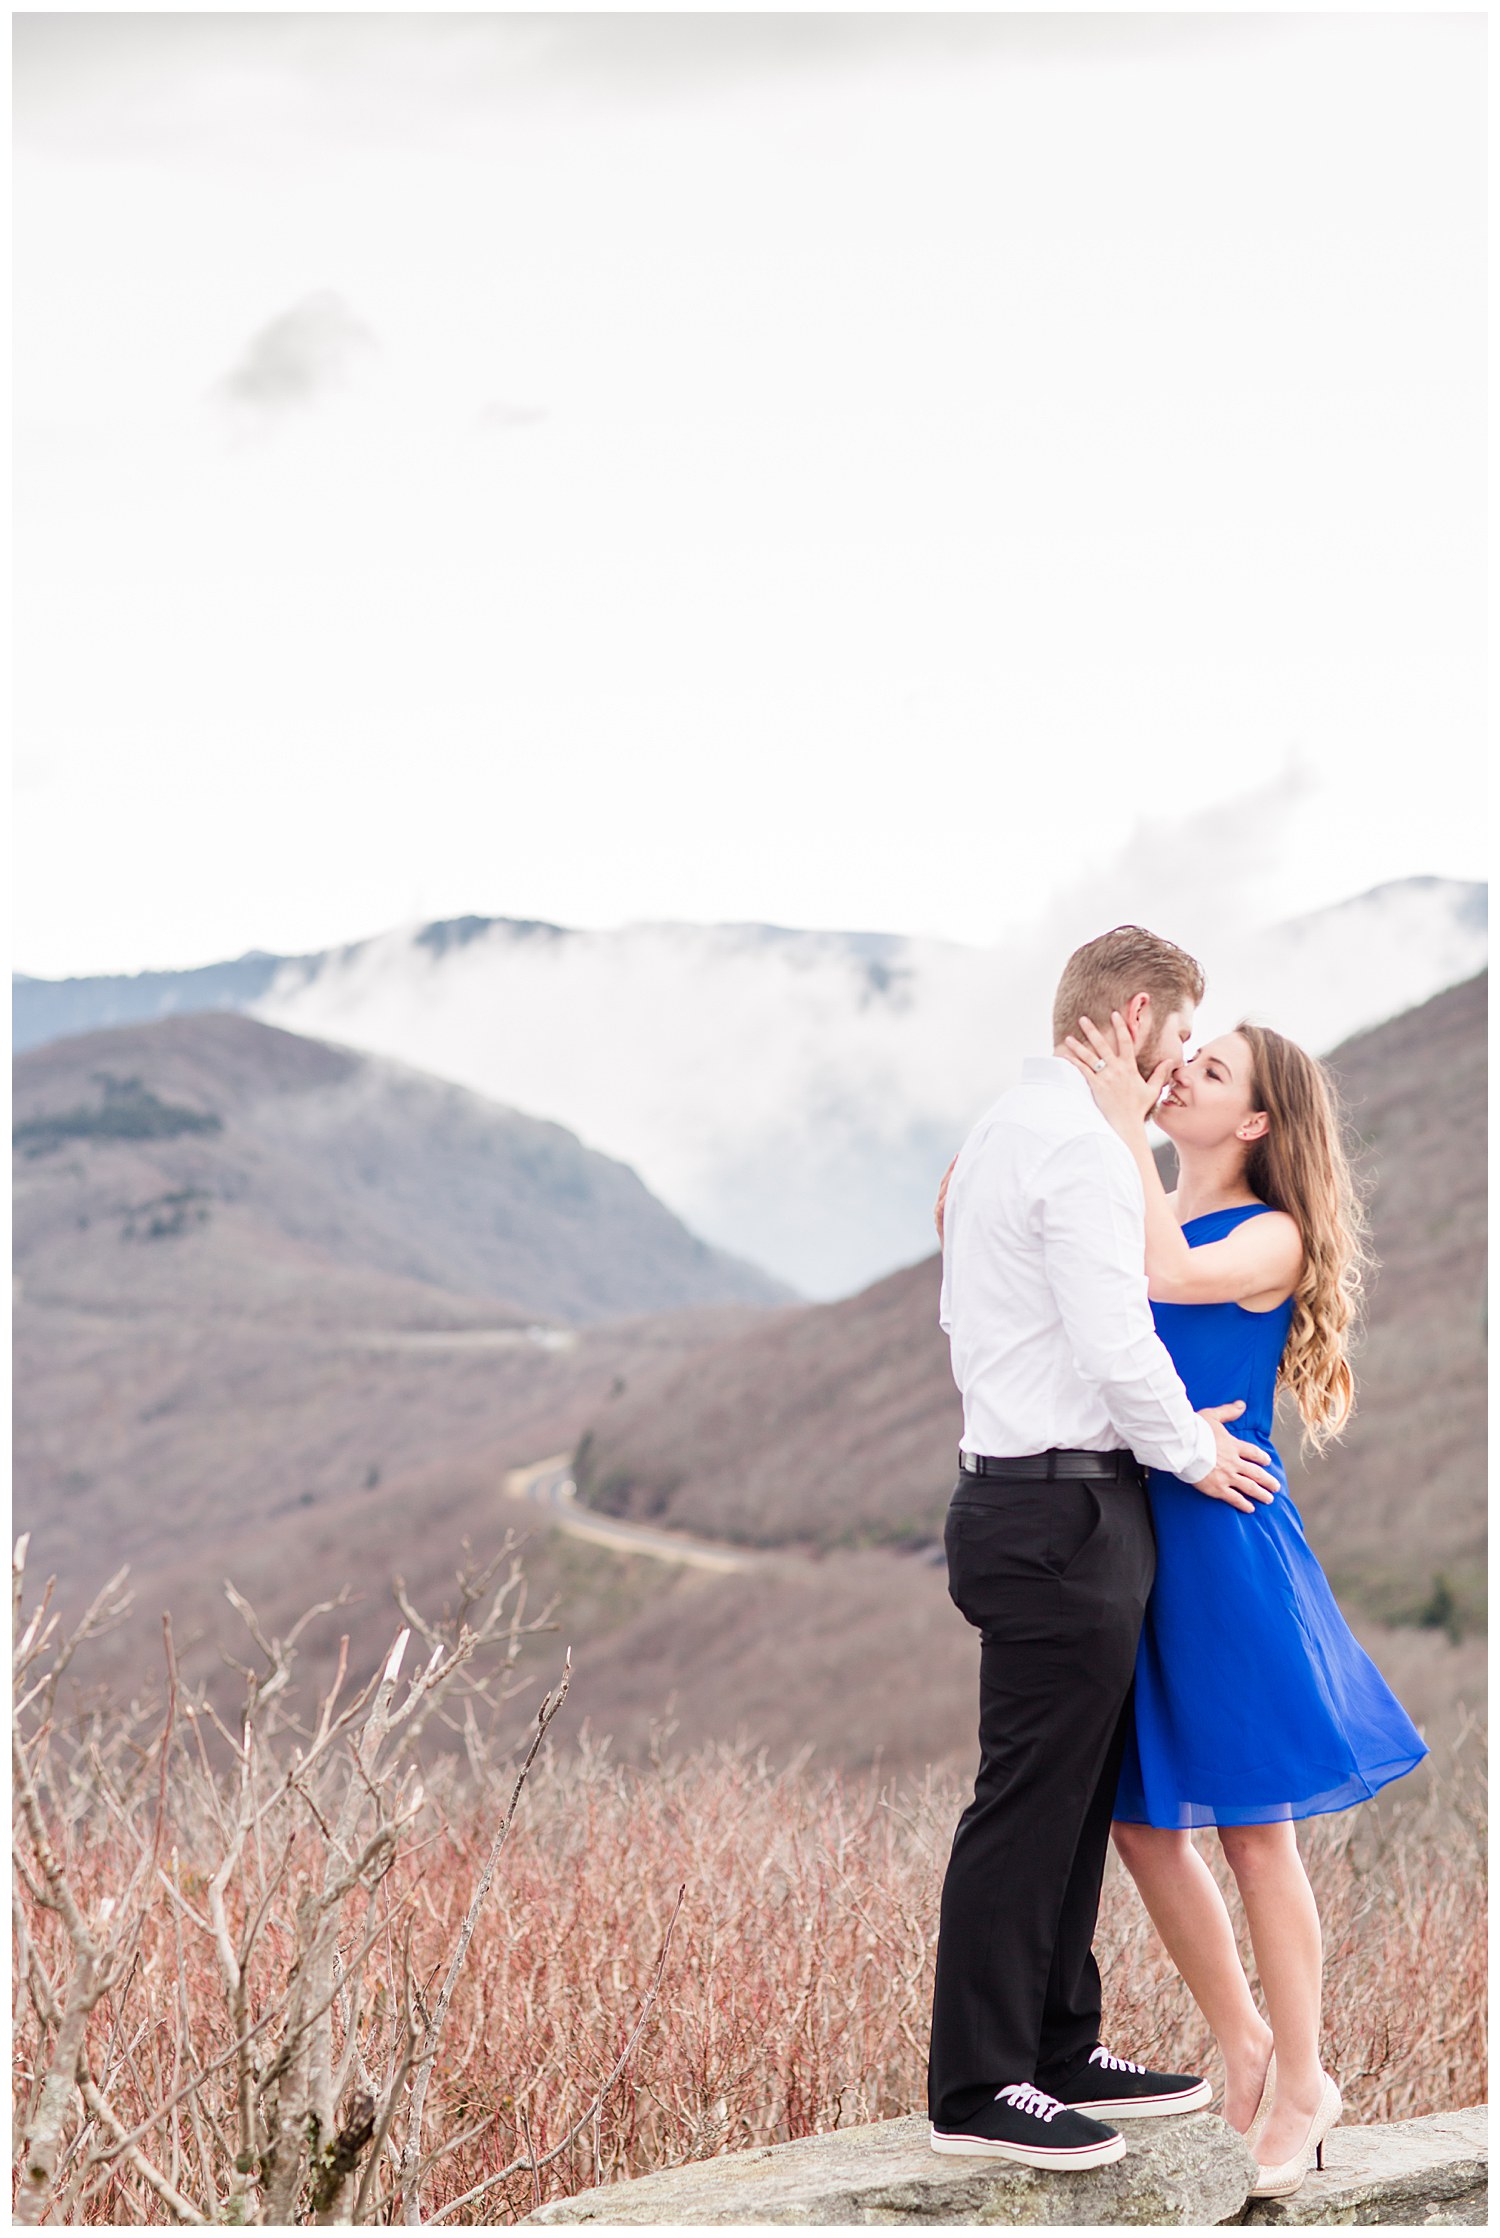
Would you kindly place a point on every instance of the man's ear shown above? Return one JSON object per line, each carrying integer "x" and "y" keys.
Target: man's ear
{"x": 1253, "y": 1129}
{"x": 1138, "y": 1017}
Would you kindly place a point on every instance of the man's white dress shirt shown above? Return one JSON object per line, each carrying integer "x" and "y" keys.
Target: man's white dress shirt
{"x": 1044, "y": 1286}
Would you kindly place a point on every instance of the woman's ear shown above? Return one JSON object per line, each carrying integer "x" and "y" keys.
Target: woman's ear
{"x": 1255, "y": 1128}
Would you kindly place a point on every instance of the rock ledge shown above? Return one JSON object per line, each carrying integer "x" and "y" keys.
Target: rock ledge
{"x": 1191, "y": 2172}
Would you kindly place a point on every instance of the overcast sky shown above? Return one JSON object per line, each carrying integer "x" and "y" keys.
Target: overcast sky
{"x": 849, "y": 471}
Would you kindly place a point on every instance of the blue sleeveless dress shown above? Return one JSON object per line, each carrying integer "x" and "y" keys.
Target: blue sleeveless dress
{"x": 1253, "y": 1700}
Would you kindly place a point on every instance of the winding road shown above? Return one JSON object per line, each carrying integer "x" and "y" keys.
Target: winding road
{"x": 549, "y": 1485}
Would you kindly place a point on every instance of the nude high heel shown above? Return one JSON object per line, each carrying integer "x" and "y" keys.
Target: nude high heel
{"x": 1289, "y": 2175}
{"x": 1263, "y": 2110}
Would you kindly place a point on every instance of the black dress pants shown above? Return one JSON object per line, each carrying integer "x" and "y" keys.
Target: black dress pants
{"x": 1055, "y": 1577}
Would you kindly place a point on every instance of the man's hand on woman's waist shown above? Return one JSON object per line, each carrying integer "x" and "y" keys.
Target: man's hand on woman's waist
{"x": 1236, "y": 1475}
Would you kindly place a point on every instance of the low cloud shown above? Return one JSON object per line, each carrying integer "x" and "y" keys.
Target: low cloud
{"x": 1200, "y": 879}
{"x": 311, "y": 349}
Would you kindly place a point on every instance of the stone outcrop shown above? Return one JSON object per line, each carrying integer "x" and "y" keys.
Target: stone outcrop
{"x": 1193, "y": 2172}
{"x": 1190, "y": 2171}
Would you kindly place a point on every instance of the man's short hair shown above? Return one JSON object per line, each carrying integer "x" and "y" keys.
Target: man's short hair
{"x": 1103, "y": 975}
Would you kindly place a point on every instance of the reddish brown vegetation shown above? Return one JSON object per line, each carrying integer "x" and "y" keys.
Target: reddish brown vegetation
{"x": 792, "y": 1996}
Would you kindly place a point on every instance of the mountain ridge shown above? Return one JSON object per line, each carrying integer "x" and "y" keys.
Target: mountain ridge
{"x": 785, "y": 1092}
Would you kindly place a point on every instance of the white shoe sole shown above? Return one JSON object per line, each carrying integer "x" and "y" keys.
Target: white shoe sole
{"x": 1030, "y": 2156}
{"x": 1133, "y": 2109}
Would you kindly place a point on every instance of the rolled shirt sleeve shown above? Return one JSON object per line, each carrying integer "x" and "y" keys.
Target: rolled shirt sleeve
{"x": 1093, "y": 1226}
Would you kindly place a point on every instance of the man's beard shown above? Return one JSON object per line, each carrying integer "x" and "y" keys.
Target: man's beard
{"x": 1147, "y": 1062}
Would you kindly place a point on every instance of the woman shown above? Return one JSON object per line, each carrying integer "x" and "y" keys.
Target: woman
{"x": 1254, "y": 1704}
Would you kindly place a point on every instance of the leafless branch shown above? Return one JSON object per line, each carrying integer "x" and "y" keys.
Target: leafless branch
{"x": 411, "y": 2158}
{"x": 529, "y": 2161}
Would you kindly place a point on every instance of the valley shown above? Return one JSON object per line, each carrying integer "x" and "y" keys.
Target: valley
{"x": 337, "y": 1379}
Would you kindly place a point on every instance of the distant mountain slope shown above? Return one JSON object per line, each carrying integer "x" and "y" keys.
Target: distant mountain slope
{"x": 51, "y": 1009}
{"x": 791, "y": 1095}
{"x": 836, "y": 1425}
{"x": 213, "y": 1163}
{"x": 825, "y": 1426}
{"x": 1401, "y": 1498}
{"x": 296, "y": 1455}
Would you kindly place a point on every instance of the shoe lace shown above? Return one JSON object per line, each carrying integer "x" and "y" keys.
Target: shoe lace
{"x": 1099, "y": 2057}
{"x": 1027, "y": 2099}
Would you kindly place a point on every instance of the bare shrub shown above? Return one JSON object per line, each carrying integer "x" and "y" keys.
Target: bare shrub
{"x": 247, "y": 2090}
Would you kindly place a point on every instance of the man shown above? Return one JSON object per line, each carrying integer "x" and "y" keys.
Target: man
{"x": 1067, "y": 1392}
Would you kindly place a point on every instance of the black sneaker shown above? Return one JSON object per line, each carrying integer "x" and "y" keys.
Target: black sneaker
{"x": 1104, "y": 2084}
{"x": 1022, "y": 2123}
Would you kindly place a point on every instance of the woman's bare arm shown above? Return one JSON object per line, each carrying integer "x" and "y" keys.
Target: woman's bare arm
{"x": 942, "y": 1199}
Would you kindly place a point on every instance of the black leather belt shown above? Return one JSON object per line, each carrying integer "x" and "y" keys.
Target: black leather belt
{"x": 1059, "y": 1461}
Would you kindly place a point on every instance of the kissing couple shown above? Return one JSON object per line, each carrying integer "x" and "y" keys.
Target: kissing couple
{"x": 1160, "y": 1650}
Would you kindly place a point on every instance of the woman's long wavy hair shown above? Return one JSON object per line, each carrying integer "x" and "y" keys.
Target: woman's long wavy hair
{"x": 1301, "y": 1167}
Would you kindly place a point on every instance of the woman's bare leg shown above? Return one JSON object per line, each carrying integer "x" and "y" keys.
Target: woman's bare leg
{"x": 1191, "y": 1917}
{"x": 1288, "y": 1943}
